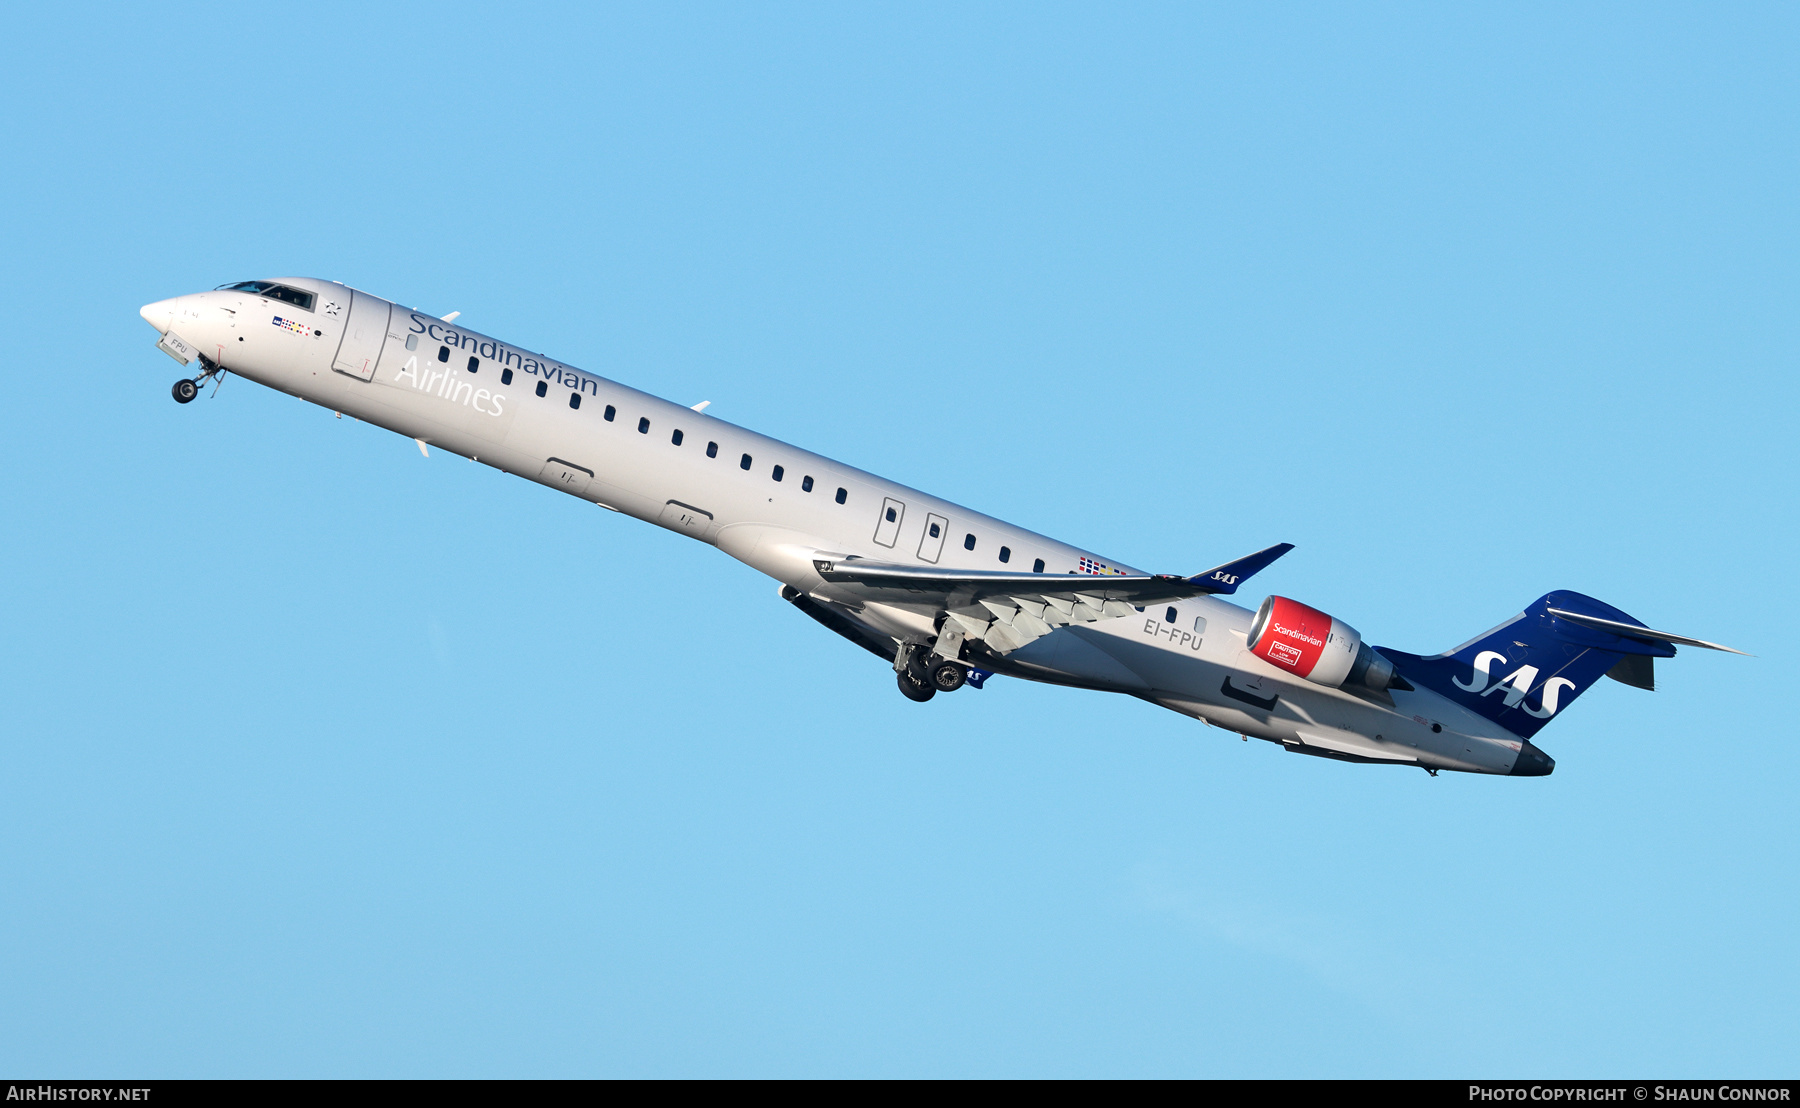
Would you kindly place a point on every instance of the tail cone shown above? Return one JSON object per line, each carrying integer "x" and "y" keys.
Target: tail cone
{"x": 1532, "y": 762}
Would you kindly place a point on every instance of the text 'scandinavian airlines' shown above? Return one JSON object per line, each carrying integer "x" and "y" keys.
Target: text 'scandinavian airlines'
{"x": 946, "y": 595}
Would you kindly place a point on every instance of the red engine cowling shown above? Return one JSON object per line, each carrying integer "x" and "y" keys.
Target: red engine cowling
{"x": 1308, "y": 643}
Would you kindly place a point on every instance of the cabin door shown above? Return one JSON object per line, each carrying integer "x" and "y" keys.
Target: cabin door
{"x": 364, "y": 332}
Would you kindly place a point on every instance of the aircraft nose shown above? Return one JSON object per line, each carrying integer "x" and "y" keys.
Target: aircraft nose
{"x": 1532, "y": 762}
{"x": 160, "y": 315}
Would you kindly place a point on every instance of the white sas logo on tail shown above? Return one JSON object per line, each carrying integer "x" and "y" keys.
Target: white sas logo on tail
{"x": 1516, "y": 684}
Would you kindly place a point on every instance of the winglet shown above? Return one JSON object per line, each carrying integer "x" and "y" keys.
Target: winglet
{"x": 1227, "y": 578}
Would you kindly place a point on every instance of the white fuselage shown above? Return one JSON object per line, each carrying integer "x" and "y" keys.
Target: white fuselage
{"x": 777, "y": 508}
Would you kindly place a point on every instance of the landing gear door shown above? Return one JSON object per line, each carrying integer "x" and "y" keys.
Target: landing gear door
{"x": 887, "y": 528}
{"x": 364, "y": 332}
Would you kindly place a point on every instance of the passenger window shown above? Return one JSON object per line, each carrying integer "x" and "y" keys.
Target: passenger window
{"x": 676, "y": 437}
{"x": 934, "y": 530}
{"x": 610, "y": 413}
{"x": 968, "y": 542}
{"x": 643, "y": 425}
{"x": 506, "y": 377}
{"x": 543, "y": 387}
{"x": 712, "y": 450}
{"x": 1037, "y": 566}
{"x": 574, "y": 400}
{"x": 776, "y": 473}
{"x": 744, "y": 462}
{"x": 412, "y": 342}
{"x": 443, "y": 353}
{"x": 1170, "y": 617}
{"x": 474, "y": 364}
{"x": 1006, "y": 553}
{"x": 806, "y": 484}
{"x": 842, "y": 493}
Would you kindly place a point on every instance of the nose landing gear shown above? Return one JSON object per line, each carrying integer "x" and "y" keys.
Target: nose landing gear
{"x": 185, "y": 390}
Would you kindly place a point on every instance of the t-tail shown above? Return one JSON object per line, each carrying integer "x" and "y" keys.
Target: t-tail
{"x": 1525, "y": 671}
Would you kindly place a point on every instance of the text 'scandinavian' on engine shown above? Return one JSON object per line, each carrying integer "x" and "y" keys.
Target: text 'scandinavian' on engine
{"x": 945, "y": 595}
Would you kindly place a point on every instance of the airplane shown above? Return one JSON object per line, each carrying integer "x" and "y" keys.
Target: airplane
{"x": 944, "y": 595}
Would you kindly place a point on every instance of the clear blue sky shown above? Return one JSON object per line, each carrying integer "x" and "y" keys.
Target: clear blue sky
{"x": 318, "y": 757}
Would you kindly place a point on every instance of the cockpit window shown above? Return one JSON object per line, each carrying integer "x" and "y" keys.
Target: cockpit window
{"x": 274, "y": 292}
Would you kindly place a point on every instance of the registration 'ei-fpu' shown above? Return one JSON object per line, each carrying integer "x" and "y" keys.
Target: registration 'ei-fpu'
{"x": 947, "y": 596}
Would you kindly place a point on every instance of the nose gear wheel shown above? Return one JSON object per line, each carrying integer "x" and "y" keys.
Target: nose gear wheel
{"x": 184, "y": 391}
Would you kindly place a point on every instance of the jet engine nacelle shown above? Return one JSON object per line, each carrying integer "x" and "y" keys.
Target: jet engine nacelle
{"x": 1323, "y": 649}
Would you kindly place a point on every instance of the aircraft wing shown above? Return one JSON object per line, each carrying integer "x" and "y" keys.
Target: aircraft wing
{"x": 1008, "y": 610}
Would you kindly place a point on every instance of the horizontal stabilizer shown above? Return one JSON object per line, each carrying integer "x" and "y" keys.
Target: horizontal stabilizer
{"x": 1636, "y": 631}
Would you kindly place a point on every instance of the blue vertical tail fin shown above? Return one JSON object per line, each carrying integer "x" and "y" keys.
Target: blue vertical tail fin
{"x": 1525, "y": 671}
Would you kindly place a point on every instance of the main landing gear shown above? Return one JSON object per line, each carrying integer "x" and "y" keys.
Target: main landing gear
{"x": 922, "y": 675}
{"x": 185, "y": 390}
